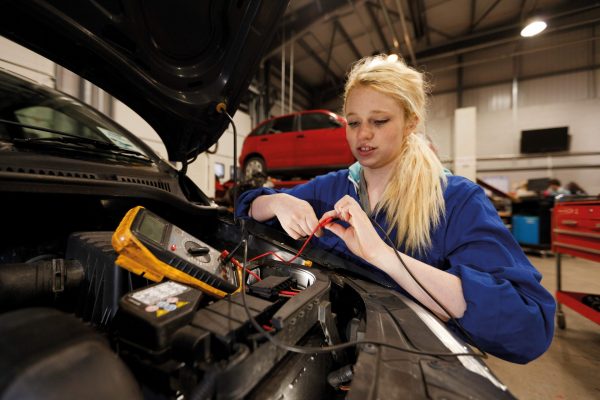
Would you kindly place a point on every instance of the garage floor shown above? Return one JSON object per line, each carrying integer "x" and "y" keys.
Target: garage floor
{"x": 570, "y": 369}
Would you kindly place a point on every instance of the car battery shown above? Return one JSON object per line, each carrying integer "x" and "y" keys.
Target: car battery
{"x": 148, "y": 317}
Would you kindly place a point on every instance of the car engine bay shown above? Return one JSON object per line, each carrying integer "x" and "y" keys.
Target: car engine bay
{"x": 58, "y": 269}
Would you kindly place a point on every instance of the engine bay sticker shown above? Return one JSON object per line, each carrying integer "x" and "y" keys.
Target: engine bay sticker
{"x": 162, "y": 294}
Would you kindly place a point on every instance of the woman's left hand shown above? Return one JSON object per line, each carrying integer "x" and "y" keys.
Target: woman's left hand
{"x": 360, "y": 237}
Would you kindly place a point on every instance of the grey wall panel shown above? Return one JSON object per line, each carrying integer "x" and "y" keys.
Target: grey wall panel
{"x": 442, "y": 106}
{"x": 563, "y": 51}
{"x": 489, "y": 98}
{"x": 554, "y": 89}
{"x": 489, "y": 65}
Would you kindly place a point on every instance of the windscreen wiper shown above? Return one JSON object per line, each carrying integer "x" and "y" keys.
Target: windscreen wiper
{"x": 68, "y": 138}
{"x": 85, "y": 143}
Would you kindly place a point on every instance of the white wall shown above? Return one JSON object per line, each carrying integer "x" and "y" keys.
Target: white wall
{"x": 25, "y": 62}
{"x": 202, "y": 171}
{"x": 138, "y": 126}
{"x": 564, "y": 100}
{"x": 465, "y": 142}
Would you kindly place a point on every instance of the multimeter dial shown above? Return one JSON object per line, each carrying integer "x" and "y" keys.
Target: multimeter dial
{"x": 195, "y": 249}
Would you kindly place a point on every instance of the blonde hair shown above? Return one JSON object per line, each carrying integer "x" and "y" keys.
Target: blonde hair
{"x": 413, "y": 200}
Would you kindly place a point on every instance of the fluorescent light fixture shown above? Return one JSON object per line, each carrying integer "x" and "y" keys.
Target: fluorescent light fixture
{"x": 533, "y": 28}
{"x": 392, "y": 57}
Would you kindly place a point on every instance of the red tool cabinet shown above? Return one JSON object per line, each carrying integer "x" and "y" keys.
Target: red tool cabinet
{"x": 575, "y": 231}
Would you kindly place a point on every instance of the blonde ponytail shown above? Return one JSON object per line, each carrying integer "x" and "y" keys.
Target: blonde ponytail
{"x": 414, "y": 198}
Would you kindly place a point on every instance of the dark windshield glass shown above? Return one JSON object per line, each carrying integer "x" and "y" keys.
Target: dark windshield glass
{"x": 30, "y": 105}
{"x": 283, "y": 124}
{"x": 317, "y": 121}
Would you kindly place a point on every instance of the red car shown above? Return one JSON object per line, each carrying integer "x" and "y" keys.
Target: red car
{"x": 299, "y": 144}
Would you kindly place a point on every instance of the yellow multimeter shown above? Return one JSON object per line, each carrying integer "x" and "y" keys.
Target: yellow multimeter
{"x": 154, "y": 248}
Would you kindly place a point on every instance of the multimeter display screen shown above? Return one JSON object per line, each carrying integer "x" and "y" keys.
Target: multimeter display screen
{"x": 152, "y": 228}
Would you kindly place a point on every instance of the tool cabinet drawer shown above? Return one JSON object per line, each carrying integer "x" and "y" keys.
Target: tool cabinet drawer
{"x": 576, "y": 229}
{"x": 578, "y": 211}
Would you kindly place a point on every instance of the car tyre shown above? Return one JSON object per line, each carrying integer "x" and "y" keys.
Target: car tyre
{"x": 254, "y": 165}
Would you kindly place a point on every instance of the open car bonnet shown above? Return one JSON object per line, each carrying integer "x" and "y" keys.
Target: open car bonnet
{"x": 170, "y": 61}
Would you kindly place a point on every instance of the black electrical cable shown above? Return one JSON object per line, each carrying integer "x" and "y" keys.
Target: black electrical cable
{"x": 454, "y": 320}
{"x": 325, "y": 349}
{"x": 222, "y": 108}
{"x": 230, "y": 255}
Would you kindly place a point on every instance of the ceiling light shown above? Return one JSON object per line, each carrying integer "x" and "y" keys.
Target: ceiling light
{"x": 533, "y": 28}
{"x": 392, "y": 57}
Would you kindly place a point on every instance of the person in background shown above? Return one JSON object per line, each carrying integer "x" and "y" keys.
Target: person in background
{"x": 574, "y": 188}
{"x": 522, "y": 191}
{"x": 555, "y": 188}
{"x": 443, "y": 226}
{"x": 430, "y": 143}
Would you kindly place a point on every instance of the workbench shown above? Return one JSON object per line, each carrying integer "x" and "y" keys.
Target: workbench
{"x": 575, "y": 231}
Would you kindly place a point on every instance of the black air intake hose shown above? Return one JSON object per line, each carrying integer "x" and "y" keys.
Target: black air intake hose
{"x": 206, "y": 388}
{"x": 39, "y": 283}
{"x": 340, "y": 376}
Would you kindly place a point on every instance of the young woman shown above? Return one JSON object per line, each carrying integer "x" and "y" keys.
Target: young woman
{"x": 444, "y": 227}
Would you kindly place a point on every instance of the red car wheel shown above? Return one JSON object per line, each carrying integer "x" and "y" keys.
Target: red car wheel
{"x": 254, "y": 165}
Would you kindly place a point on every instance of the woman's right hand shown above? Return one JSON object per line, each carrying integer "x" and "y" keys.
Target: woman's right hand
{"x": 296, "y": 216}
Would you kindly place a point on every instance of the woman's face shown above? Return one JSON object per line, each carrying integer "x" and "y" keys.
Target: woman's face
{"x": 376, "y": 127}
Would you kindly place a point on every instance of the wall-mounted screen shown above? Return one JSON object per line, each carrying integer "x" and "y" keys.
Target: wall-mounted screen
{"x": 220, "y": 170}
{"x": 545, "y": 140}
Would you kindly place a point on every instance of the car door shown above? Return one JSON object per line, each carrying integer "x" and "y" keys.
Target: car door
{"x": 276, "y": 145}
{"x": 321, "y": 141}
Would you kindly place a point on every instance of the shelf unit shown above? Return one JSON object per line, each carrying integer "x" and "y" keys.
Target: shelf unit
{"x": 575, "y": 231}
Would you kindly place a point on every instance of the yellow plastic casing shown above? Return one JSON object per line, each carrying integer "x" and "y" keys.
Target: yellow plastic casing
{"x": 134, "y": 256}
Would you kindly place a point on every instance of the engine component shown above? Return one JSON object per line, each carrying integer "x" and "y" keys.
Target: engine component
{"x": 148, "y": 317}
{"x": 270, "y": 287}
{"x": 39, "y": 283}
{"x": 340, "y": 376}
{"x": 105, "y": 282}
{"x": 227, "y": 320}
{"x": 219, "y": 335}
{"x": 47, "y": 354}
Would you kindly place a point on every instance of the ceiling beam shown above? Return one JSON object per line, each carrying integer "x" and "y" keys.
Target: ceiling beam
{"x": 485, "y": 14}
{"x": 388, "y": 21}
{"x": 423, "y": 16}
{"x": 302, "y": 20}
{"x": 442, "y": 33}
{"x": 410, "y": 20}
{"x": 316, "y": 58}
{"x": 413, "y": 8}
{"x": 348, "y": 39}
{"x": 376, "y": 25}
{"x": 330, "y": 50}
{"x": 473, "y": 13}
{"x": 405, "y": 33}
{"x": 300, "y": 85}
{"x": 523, "y": 12}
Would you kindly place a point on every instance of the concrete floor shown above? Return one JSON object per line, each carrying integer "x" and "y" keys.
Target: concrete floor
{"x": 570, "y": 369}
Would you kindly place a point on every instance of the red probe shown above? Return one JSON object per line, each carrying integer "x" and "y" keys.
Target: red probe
{"x": 321, "y": 224}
